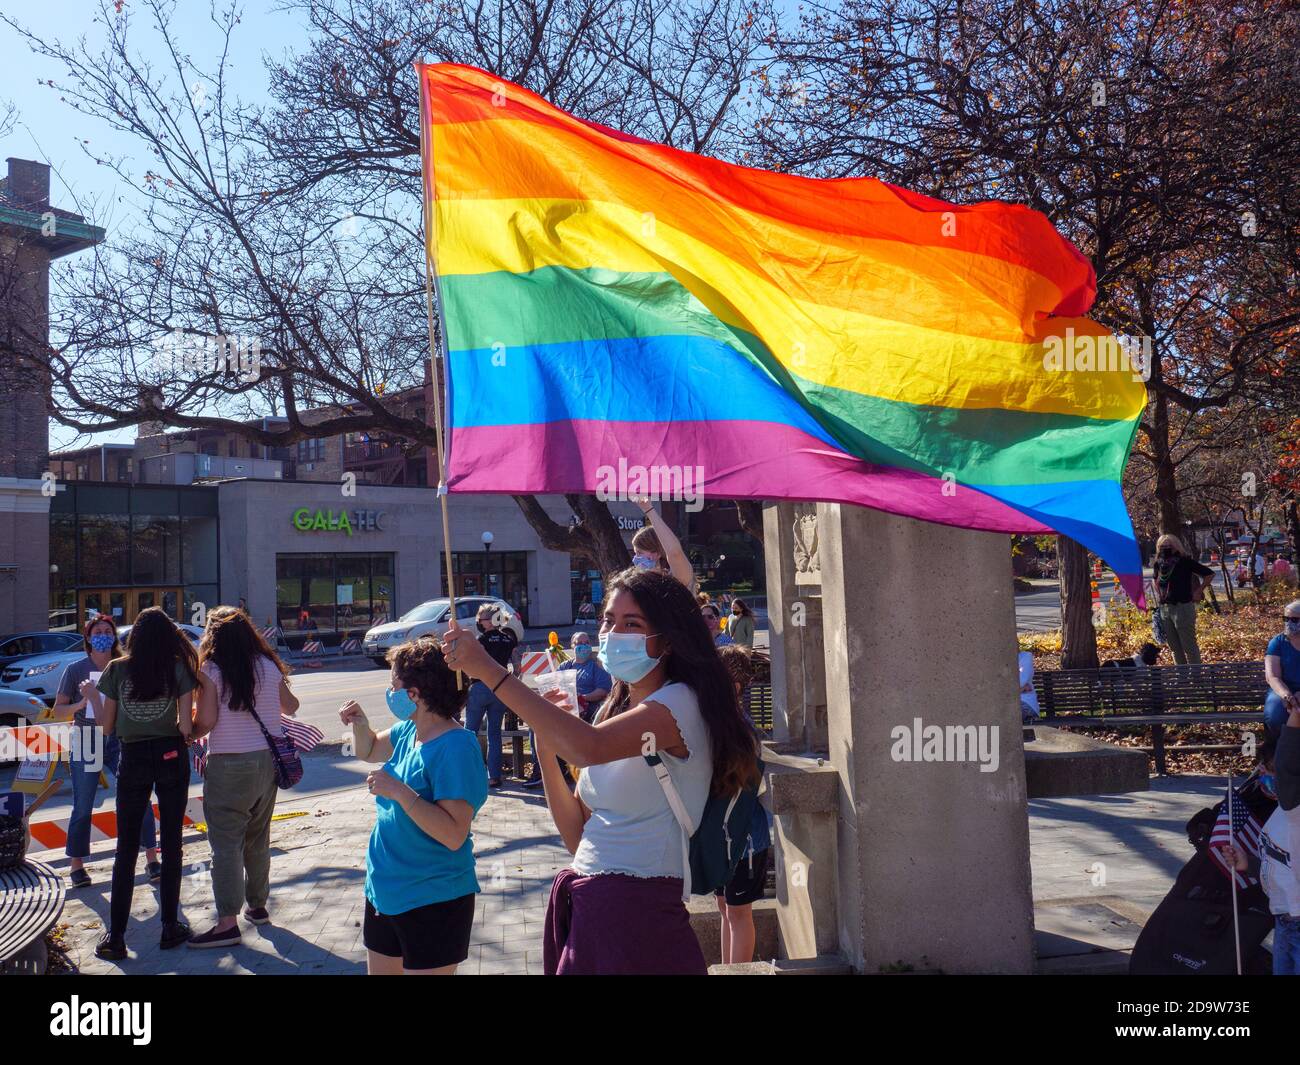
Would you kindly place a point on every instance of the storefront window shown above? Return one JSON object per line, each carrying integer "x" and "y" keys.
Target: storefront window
{"x": 198, "y": 549}
{"x": 156, "y": 548}
{"x": 104, "y": 548}
{"x": 325, "y": 594}
{"x": 506, "y": 576}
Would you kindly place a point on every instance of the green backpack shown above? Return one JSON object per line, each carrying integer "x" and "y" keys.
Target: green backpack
{"x": 712, "y": 849}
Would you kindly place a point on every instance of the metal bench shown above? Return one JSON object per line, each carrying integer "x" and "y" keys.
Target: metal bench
{"x": 31, "y": 900}
{"x": 1154, "y": 698}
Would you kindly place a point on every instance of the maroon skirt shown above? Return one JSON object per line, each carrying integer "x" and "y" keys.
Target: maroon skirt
{"x": 614, "y": 924}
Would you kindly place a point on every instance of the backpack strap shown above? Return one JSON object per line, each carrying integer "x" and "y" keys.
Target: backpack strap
{"x": 679, "y": 812}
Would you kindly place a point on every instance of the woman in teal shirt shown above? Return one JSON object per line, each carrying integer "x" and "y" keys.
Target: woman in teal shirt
{"x": 420, "y": 882}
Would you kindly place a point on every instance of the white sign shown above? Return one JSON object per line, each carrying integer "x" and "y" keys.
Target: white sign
{"x": 345, "y": 595}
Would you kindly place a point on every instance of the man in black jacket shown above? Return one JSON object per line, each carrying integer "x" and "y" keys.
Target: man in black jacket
{"x": 500, "y": 643}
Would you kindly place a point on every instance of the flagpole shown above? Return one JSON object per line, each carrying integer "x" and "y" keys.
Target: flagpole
{"x": 1232, "y": 842}
{"x": 437, "y": 351}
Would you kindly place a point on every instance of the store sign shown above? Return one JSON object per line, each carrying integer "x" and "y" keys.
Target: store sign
{"x": 349, "y": 521}
{"x": 630, "y": 523}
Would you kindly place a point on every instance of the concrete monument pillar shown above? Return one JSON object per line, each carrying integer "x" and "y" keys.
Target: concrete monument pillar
{"x": 794, "y": 606}
{"x": 924, "y": 732}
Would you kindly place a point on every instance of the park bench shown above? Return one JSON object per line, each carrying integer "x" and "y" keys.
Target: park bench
{"x": 1155, "y": 698}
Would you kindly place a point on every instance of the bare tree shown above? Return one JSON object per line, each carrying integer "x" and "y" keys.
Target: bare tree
{"x": 278, "y": 265}
{"x": 1157, "y": 136}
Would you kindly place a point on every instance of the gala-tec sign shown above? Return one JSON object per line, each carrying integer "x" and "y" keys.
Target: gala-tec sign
{"x": 349, "y": 521}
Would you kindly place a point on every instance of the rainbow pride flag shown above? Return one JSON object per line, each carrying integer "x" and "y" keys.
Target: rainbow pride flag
{"x": 615, "y": 308}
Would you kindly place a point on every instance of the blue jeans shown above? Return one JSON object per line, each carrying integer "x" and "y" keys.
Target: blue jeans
{"x": 1275, "y": 714}
{"x": 85, "y": 782}
{"x": 1286, "y": 946}
{"x": 481, "y": 701}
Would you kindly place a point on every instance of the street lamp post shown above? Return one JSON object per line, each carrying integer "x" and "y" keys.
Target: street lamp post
{"x": 487, "y": 548}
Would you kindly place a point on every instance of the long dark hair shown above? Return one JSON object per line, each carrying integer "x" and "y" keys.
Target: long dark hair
{"x": 101, "y": 619}
{"x": 744, "y": 607}
{"x": 232, "y": 642}
{"x": 153, "y": 648}
{"x": 671, "y": 611}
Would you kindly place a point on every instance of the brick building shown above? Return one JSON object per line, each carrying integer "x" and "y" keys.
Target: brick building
{"x": 32, "y": 235}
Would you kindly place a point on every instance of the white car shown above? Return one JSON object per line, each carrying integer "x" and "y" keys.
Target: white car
{"x": 40, "y": 675}
{"x": 432, "y": 619}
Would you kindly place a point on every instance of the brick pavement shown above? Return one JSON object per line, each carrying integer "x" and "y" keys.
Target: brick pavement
{"x": 317, "y": 896}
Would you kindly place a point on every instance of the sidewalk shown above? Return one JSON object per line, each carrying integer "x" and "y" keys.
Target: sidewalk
{"x": 317, "y": 901}
{"x": 1100, "y": 865}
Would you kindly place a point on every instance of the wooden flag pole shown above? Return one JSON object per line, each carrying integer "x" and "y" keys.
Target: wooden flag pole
{"x": 1232, "y": 842}
{"x": 437, "y": 341}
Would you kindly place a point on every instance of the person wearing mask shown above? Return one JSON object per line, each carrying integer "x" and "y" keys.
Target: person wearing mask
{"x": 147, "y": 699}
{"x": 713, "y": 619}
{"x": 619, "y": 909}
{"x": 749, "y": 882}
{"x": 1282, "y": 671}
{"x": 99, "y": 638}
{"x": 655, "y": 546}
{"x": 741, "y": 629}
{"x": 500, "y": 644}
{"x": 1179, "y": 580}
{"x": 239, "y": 712}
{"x": 420, "y": 880}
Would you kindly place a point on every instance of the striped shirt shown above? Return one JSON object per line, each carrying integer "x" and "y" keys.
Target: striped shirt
{"x": 236, "y": 732}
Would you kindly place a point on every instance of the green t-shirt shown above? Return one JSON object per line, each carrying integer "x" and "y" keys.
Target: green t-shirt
{"x": 142, "y": 720}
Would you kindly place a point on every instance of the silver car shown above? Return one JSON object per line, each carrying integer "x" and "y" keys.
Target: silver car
{"x": 433, "y": 619}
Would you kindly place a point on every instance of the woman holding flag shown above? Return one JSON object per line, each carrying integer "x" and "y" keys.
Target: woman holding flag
{"x": 619, "y": 909}
{"x": 239, "y": 707}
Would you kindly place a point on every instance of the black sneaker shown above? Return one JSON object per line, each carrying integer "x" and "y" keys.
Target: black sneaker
{"x": 494, "y": 783}
{"x": 111, "y": 948}
{"x": 155, "y": 871}
{"x": 173, "y": 935}
{"x": 79, "y": 878}
{"x": 256, "y": 915}
{"x": 228, "y": 938}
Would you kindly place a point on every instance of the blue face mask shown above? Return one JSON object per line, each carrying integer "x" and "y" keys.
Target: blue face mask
{"x": 644, "y": 562}
{"x": 582, "y": 652}
{"x": 400, "y": 704}
{"x": 102, "y": 642}
{"x": 624, "y": 656}
{"x": 1293, "y": 627}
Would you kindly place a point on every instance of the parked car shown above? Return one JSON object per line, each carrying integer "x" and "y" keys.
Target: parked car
{"x": 30, "y": 644}
{"x": 192, "y": 631}
{"x": 40, "y": 675}
{"x": 433, "y": 618}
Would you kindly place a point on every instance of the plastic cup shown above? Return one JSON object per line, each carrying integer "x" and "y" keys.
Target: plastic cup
{"x": 564, "y": 679}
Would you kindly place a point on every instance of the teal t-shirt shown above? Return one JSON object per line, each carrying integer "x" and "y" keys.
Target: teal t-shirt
{"x": 406, "y": 867}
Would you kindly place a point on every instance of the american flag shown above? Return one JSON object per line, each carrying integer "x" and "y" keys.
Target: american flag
{"x": 1245, "y": 834}
{"x": 304, "y": 735}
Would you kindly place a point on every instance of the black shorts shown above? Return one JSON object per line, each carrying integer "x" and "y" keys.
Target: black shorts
{"x": 747, "y": 885}
{"x": 427, "y": 937}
